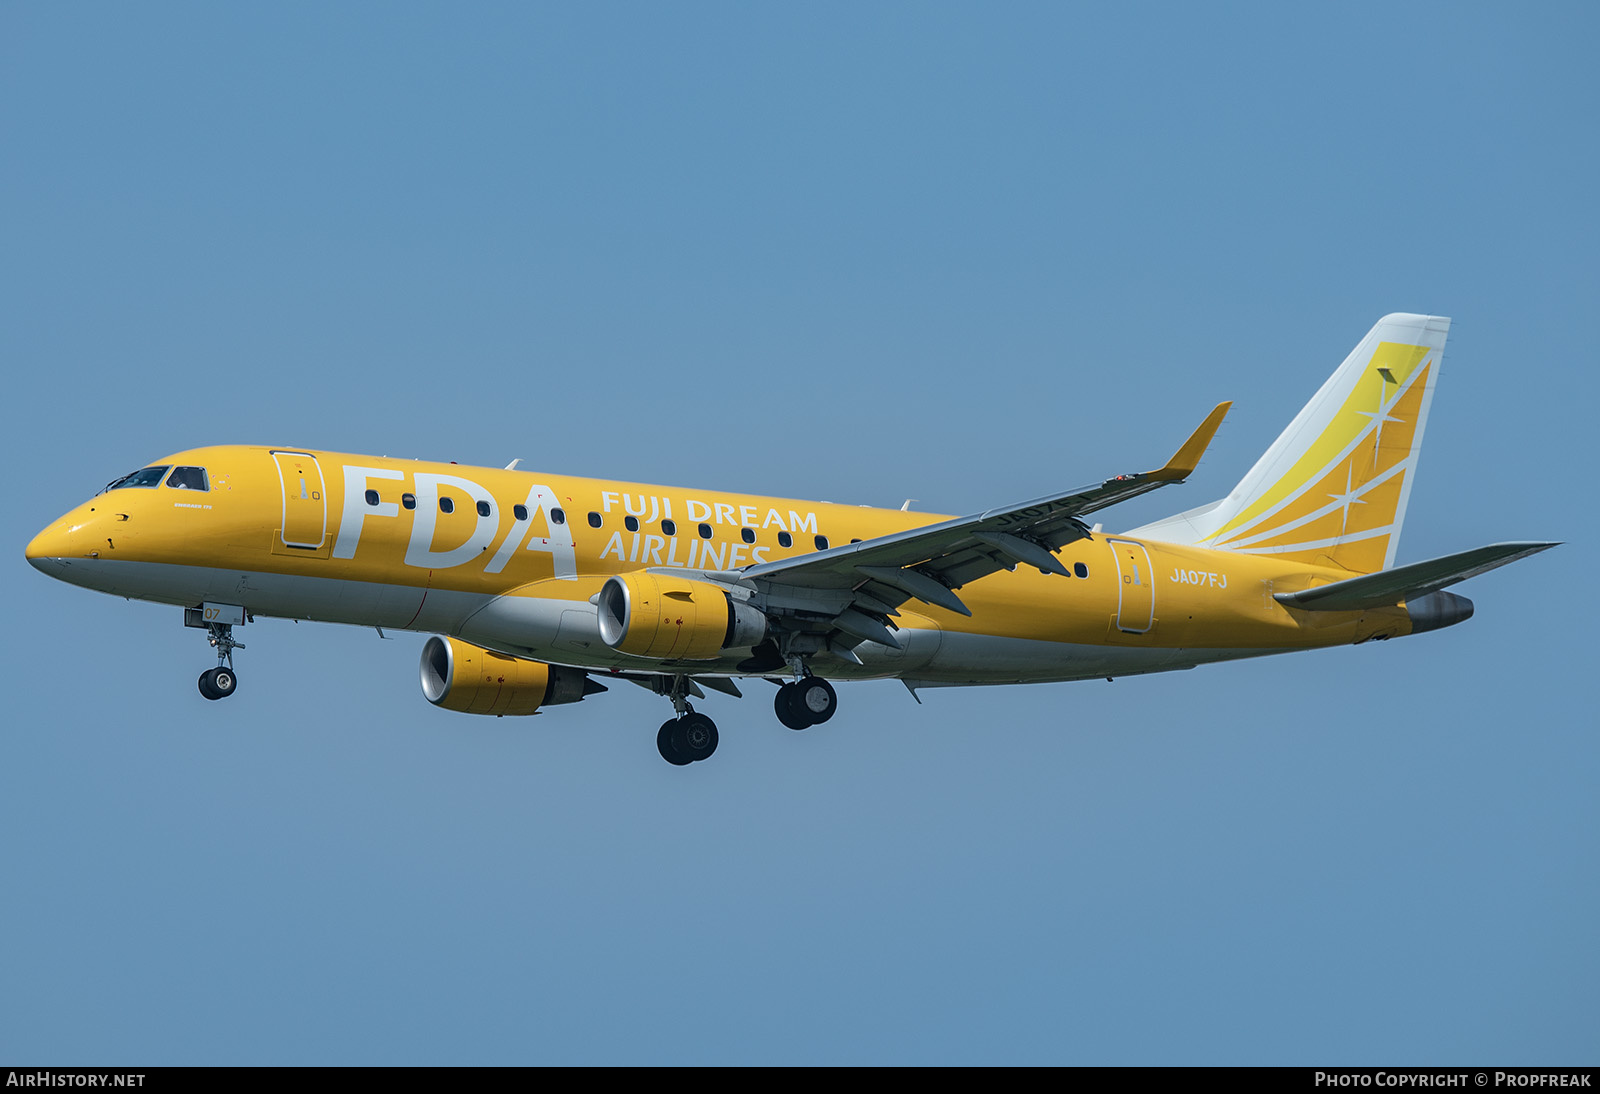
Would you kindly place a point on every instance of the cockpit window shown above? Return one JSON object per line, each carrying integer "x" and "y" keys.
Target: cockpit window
{"x": 146, "y": 476}
{"x": 188, "y": 478}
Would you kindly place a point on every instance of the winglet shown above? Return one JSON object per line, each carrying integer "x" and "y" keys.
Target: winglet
{"x": 1187, "y": 458}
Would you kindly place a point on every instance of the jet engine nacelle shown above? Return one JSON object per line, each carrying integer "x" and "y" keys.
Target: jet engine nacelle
{"x": 675, "y": 618}
{"x": 457, "y": 675}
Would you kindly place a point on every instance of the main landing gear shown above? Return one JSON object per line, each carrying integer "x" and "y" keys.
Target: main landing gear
{"x": 802, "y": 702}
{"x": 806, "y": 702}
{"x": 222, "y": 681}
{"x": 687, "y": 738}
{"x": 690, "y": 736}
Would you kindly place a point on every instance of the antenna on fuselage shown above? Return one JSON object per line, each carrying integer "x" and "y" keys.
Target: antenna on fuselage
{"x": 512, "y": 466}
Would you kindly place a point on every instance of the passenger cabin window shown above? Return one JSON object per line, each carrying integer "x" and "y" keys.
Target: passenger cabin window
{"x": 669, "y": 528}
{"x": 188, "y": 478}
{"x": 785, "y": 539}
{"x": 822, "y": 543}
{"x": 372, "y": 496}
{"x": 558, "y": 516}
{"x": 1080, "y": 569}
{"x": 483, "y": 508}
{"x": 594, "y": 520}
{"x": 747, "y": 534}
{"x": 148, "y": 476}
{"x": 631, "y": 523}
{"x": 705, "y": 531}
{"x": 446, "y": 505}
{"x": 519, "y": 511}
{"x": 408, "y": 500}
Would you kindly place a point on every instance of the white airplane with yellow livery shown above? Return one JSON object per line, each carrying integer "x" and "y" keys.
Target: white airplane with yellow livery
{"x": 544, "y": 585}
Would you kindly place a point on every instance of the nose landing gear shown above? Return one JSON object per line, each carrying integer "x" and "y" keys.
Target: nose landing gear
{"x": 222, "y": 681}
{"x": 218, "y": 683}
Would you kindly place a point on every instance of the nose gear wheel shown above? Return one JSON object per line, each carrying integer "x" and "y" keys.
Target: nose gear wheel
{"x": 222, "y": 681}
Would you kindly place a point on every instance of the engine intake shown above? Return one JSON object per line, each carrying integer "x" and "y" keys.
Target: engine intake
{"x": 457, "y": 675}
{"x": 675, "y": 618}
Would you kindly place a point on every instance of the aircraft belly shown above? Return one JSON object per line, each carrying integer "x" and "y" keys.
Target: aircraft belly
{"x": 323, "y": 599}
{"x": 548, "y": 630}
{"x": 170, "y": 584}
{"x": 990, "y": 659}
{"x": 566, "y": 631}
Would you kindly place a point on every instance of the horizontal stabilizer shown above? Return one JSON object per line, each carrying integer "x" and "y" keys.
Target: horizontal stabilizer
{"x": 1387, "y": 587}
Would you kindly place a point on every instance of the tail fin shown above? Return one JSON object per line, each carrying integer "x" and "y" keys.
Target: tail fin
{"x": 1332, "y": 489}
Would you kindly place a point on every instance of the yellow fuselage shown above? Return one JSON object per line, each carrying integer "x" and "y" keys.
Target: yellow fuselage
{"x": 511, "y": 559}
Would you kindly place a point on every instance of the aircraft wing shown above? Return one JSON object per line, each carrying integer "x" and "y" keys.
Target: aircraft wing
{"x": 848, "y": 594}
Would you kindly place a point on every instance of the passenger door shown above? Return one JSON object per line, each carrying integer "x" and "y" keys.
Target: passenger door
{"x": 1136, "y": 602}
{"x": 305, "y": 501}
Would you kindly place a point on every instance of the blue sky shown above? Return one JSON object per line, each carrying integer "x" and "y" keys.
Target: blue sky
{"x": 959, "y": 253}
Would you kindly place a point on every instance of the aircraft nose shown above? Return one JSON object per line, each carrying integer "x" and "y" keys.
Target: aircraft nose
{"x": 50, "y": 550}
